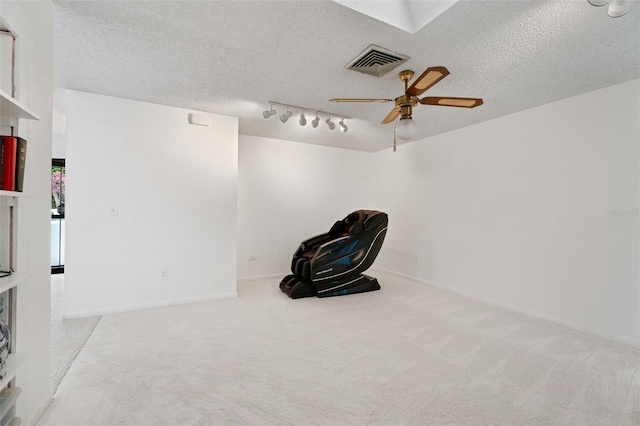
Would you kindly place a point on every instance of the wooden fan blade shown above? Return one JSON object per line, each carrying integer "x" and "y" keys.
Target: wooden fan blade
{"x": 360, "y": 100}
{"x": 452, "y": 102}
{"x": 391, "y": 117}
{"x": 428, "y": 78}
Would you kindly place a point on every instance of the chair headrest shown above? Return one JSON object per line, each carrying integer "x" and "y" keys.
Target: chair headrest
{"x": 355, "y": 223}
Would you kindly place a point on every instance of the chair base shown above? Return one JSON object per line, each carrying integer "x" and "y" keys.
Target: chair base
{"x": 296, "y": 288}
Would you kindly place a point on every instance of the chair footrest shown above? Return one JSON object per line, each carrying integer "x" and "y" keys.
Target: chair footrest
{"x": 297, "y": 288}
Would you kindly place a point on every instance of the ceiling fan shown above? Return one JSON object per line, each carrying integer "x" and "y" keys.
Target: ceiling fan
{"x": 405, "y": 103}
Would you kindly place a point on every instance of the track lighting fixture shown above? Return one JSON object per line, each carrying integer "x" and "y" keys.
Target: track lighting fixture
{"x": 330, "y": 123}
{"x": 303, "y": 118}
{"x": 268, "y": 113}
{"x": 284, "y": 117}
{"x": 617, "y": 8}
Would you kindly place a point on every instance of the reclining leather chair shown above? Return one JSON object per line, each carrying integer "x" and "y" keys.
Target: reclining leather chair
{"x": 331, "y": 264}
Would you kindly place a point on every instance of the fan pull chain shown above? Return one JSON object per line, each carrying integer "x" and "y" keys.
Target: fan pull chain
{"x": 395, "y": 127}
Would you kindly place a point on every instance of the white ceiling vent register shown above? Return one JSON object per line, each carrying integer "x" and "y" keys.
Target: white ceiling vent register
{"x": 376, "y": 60}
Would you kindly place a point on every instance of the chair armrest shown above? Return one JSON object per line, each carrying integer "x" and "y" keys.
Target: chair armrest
{"x": 312, "y": 242}
{"x": 332, "y": 248}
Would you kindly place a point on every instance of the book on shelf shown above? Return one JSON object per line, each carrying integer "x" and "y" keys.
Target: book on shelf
{"x": 21, "y": 158}
{"x": 12, "y": 163}
{"x": 9, "y": 151}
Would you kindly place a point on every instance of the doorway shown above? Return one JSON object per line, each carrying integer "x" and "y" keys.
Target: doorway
{"x": 57, "y": 215}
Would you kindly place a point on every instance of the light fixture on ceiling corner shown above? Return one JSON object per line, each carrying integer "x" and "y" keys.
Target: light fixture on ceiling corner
{"x": 268, "y": 112}
{"x": 303, "y": 119}
{"x": 343, "y": 127}
{"x": 284, "y": 117}
{"x": 315, "y": 121}
{"x": 617, "y": 8}
{"x": 406, "y": 128}
{"x": 330, "y": 123}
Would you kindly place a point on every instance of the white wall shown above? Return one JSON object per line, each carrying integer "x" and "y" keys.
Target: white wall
{"x": 33, "y": 24}
{"x": 288, "y": 192}
{"x": 517, "y": 211}
{"x": 175, "y": 188}
{"x": 514, "y": 210}
{"x": 59, "y": 128}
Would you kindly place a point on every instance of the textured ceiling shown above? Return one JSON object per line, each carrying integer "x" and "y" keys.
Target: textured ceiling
{"x": 231, "y": 57}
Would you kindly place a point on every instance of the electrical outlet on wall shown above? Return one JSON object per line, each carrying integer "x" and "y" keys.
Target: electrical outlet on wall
{"x": 251, "y": 257}
{"x": 164, "y": 274}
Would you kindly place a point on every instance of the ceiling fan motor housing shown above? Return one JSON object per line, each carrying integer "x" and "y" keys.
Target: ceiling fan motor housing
{"x": 406, "y": 104}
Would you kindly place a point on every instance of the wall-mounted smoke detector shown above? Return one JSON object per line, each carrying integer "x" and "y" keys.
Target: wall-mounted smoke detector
{"x": 376, "y": 60}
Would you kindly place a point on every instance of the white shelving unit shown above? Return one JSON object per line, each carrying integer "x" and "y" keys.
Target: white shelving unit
{"x": 12, "y": 112}
{"x": 10, "y": 107}
{"x": 13, "y": 280}
{"x": 12, "y": 194}
{"x": 14, "y": 362}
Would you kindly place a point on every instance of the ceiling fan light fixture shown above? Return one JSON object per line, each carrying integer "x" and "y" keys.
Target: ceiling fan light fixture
{"x": 330, "y": 123}
{"x": 303, "y": 119}
{"x": 343, "y": 127}
{"x": 598, "y": 3}
{"x": 315, "y": 121}
{"x": 268, "y": 112}
{"x": 406, "y": 128}
{"x": 284, "y": 117}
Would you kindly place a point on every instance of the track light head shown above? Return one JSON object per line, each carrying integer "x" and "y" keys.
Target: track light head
{"x": 268, "y": 113}
{"x": 284, "y": 117}
{"x": 302, "y": 120}
{"x": 330, "y": 123}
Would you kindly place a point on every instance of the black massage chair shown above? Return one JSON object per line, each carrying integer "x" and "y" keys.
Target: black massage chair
{"x": 331, "y": 264}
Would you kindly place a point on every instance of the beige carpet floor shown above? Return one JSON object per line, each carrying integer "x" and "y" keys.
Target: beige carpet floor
{"x": 407, "y": 354}
{"x": 68, "y": 336}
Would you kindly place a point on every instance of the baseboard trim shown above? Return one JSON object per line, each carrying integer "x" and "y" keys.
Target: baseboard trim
{"x": 262, "y": 277}
{"x": 143, "y": 306}
{"x": 634, "y": 344}
{"x": 35, "y": 418}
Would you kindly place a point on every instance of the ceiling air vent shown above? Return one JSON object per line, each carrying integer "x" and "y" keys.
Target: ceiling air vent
{"x": 376, "y": 60}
